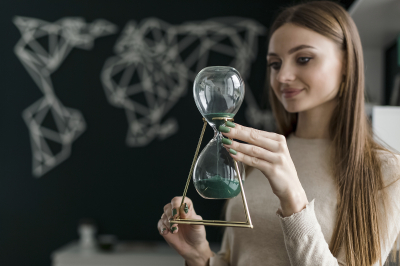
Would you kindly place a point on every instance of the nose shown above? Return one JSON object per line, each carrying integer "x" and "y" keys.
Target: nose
{"x": 286, "y": 73}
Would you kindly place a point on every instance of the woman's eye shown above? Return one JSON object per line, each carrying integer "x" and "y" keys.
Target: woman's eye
{"x": 301, "y": 60}
{"x": 273, "y": 65}
{"x": 304, "y": 60}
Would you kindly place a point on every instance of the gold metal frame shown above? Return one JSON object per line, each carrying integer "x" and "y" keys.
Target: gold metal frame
{"x": 246, "y": 224}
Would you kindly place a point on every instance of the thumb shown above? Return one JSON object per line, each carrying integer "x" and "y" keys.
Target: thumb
{"x": 186, "y": 211}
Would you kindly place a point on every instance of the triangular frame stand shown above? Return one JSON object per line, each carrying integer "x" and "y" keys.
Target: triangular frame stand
{"x": 246, "y": 224}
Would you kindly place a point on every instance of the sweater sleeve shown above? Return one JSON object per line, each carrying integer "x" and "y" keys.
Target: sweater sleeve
{"x": 223, "y": 256}
{"x": 305, "y": 242}
{"x": 391, "y": 175}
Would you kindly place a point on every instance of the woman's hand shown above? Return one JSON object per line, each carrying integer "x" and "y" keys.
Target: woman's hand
{"x": 188, "y": 240}
{"x": 269, "y": 153}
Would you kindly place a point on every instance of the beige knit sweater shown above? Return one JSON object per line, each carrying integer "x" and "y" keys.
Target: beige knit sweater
{"x": 302, "y": 238}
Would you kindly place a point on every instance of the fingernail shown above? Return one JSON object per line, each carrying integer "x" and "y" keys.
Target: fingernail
{"x": 174, "y": 212}
{"x": 186, "y": 208}
{"x": 173, "y": 229}
{"x": 162, "y": 231}
{"x": 226, "y": 141}
{"x": 230, "y": 124}
{"x": 224, "y": 129}
{"x": 233, "y": 151}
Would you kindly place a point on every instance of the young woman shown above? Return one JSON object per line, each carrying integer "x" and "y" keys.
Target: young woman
{"x": 316, "y": 90}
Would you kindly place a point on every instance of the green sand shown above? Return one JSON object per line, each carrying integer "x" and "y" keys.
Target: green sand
{"x": 218, "y": 187}
{"x": 217, "y": 123}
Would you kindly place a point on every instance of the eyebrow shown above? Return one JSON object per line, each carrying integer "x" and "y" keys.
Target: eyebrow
{"x": 291, "y": 51}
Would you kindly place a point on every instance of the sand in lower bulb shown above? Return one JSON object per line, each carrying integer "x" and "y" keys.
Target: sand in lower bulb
{"x": 218, "y": 187}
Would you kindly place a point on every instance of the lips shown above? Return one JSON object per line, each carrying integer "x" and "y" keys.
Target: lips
{"x": 288, "y": 93}
{"x": 290, "y": 90}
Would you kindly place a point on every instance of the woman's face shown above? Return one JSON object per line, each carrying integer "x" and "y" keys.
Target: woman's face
{"x": 316, "y": 70}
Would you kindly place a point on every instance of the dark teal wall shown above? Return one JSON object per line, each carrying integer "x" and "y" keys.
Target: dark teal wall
{"x": 392, "y": 68}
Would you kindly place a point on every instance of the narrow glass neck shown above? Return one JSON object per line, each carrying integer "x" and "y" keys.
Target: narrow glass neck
{"x": 215, "y": 125}
{"x": 217, "y": 134}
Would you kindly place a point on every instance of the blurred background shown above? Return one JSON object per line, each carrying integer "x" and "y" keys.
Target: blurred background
{"x": 98, "y": 121}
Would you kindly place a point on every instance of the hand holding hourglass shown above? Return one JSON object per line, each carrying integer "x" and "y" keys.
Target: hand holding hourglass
{"x": 188, "y": 240}
{"x": 218, "y": 93}
{"x": 268, "y": 152}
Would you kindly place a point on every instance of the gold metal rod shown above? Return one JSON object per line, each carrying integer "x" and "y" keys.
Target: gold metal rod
{"x": 217, "y": 221}
{"x": 194, "y": 161}
{"x": 216, "y": 224}
{"x": 247, "y": 224}
{"x": 246, "y": 208}
{"x": 201, "y": 222}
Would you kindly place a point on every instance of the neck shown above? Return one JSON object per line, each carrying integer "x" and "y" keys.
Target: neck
{"x": 314, "y": 123}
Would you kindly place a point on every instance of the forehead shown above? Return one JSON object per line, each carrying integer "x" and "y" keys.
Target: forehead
{"x": 290, "y": 35}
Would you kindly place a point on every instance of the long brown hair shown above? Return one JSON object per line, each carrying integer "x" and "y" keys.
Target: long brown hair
{"x": 355, "y": 163}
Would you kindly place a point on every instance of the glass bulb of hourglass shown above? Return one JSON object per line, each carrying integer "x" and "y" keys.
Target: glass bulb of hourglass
{"x": 218, "y": 92}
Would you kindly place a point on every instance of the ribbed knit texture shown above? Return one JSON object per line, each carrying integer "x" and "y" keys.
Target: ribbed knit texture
{"x": 299, "y": 224}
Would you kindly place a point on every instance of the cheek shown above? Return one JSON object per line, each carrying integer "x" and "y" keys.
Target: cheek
{"x": 273, "y": 80}
{"x": 321, "y": 79}
{"x": 274, "y": 84}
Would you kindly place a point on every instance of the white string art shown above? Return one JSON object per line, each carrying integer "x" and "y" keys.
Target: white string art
{"x": 155, "y": 63}
{"x": 62, "y": 35}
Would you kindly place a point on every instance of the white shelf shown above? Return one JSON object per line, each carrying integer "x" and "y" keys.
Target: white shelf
{"x": 386, "y": 125}
{"x": 125, "y": 254}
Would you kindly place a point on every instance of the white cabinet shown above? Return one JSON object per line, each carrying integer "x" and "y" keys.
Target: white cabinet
{"x": 125, "y": 254}
{"x": 386, "y": 125}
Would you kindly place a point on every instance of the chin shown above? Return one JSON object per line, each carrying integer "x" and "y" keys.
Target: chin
{"x": 291, "y": 108}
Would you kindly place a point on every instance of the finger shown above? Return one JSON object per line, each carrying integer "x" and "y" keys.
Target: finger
{"x": 174, "y": 210}
{"x": 254, "y": 151}
{"x": 260, "y": 164}
{"x": 168, "y": 227}
{"x": 255, "y": 137}
{"x": 166, "y": 223}
{"x": 167, "y": 210}
{"x": 270, "y": 135}
{"x": 162, "y": 228}
{"x": 185, "y": 211}
{"x": 167, "y": 215}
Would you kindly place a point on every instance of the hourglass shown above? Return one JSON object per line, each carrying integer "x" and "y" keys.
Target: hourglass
{"x": 218, "y": 92}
